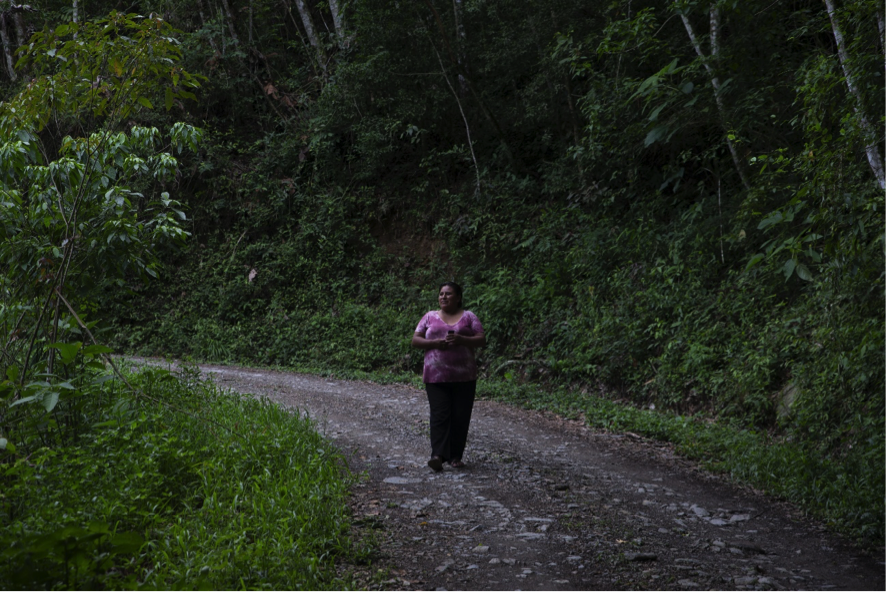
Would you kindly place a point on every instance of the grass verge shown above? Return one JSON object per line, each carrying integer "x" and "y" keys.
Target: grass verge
{"x": 195, "y": 488}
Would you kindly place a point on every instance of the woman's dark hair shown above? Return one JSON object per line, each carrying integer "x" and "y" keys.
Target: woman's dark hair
{"x": 455, "y": 288}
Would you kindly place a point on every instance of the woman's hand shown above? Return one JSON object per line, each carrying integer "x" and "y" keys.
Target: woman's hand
{"x": 451, "y": 340}
{"x": 419, "y": 341}
{"x": 472, "y": 341}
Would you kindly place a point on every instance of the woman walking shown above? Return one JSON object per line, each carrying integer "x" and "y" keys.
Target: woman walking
{"x": 449, "y": 337}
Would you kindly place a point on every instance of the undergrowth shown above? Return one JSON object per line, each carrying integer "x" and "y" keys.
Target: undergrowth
{"x": 186, "y": 487}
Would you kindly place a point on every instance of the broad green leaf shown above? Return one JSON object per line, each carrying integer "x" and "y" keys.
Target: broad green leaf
{"x": 145, "y": 102}
{"x": 788, "y": 268}
{"x": 656, "y": 134}
{"x": 68, "y": 351}
{"x": 50, "y": 401}
{"x": 24, "y": 400}
{"x": 804, "y": 273}
{"x": 773, "y": 218}
{"x": 754, "y": 260}
{"x": 12, "y": 373}
{"x": 91, "y": 350}
{"x": 102, "y": 379}
{"x": 168, "y": 99}
{"x": 111, "y": 423}
{"x": 654, "y": 115}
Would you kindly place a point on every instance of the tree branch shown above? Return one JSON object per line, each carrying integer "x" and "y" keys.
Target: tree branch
{"x": 464, "y": 118}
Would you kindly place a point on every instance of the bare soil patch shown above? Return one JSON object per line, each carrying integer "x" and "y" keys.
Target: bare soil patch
{"x": 548, "y": 504}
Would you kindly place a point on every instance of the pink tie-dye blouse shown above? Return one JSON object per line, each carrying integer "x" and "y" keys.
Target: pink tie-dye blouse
{"x": 456, "y": 364}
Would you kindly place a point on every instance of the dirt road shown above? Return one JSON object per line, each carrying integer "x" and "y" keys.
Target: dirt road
{"x": 548, "y": 504}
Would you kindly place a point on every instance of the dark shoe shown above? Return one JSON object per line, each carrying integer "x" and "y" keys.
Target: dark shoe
{"x": 436, "y": 463}
{"x": 457, "y": 464}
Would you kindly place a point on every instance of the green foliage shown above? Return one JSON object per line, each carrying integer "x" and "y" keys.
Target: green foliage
{"x": 107, "y": 69}
{"x": 615, "y": 219}
{"x": 185, "y": 487}
{"x": 80, "y": 213}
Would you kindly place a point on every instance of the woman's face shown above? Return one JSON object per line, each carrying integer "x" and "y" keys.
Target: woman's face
{"x": 448, "y": 299}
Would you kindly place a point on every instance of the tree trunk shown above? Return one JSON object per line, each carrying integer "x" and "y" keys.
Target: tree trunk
{"x": 250, "y": 22}
{"x": 230, "y": 19}
{"x": 7, "y": 48}
{"x": 75, "y": 15}
{"x": 461, "y": 46}
{"x": 203, "y": 21}
{"x": 308, "y": 22}
{"x": 19, "y": 28}
{"x": 715, "y": 82}
{"x": 871, "y": 148}
{"x": 337, "y": 20}
{"x": 881, "y": 39}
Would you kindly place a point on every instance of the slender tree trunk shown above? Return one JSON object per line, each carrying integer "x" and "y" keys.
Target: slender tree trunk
{"x": 881, "y": 38}
{"x": 219, "y": 15}
{"x": 301, "y": 38}
{"x": 463, "y": 117}
{"x": 871, "y": 149}
{"x": 572, "y": 115}
{"x": 715, "y": 82}
{"x": 7, "y": 48}
{"x": 203, "y": 21}
{"x": 230, "y": 20}
{"x": 54, "y": 335}
{"x": 308, "y": 22}
{"x": 461, "y": 46}
{"x": 250, "y": 22}
{"x": 337, "y": 21}
{"x": 19, "y": 28}
{"x": 75, "y": 15}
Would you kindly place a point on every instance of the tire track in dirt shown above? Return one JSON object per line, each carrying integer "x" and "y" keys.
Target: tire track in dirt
{"x": 548, "y": 504}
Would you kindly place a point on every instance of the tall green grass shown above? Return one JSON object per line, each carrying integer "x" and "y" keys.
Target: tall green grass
{"x": 194, "y": 488}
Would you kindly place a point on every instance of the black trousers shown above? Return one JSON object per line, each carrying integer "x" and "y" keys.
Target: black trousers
{"x": 451, "y": 405}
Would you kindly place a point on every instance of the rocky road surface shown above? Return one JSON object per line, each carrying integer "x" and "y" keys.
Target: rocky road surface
{"x": 548, "y": 504}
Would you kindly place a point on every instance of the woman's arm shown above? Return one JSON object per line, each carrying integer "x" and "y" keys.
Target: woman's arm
{"x": 471, "y": 341}
{"x": 419, "y": 341}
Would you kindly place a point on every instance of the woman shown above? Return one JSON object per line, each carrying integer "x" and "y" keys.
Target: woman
{"x": 449, "y": 337}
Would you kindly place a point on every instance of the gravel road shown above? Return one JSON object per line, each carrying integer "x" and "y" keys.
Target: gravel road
{"x": 549, "y": 504}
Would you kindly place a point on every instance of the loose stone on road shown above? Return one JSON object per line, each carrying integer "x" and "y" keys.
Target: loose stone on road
{"x": 548, "y": 504}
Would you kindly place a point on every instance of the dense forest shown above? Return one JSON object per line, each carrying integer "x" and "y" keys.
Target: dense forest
{"x": 676, "y": 205}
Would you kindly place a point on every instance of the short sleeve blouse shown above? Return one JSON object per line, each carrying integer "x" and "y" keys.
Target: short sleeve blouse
{"x": 456, "y": 364}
